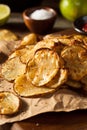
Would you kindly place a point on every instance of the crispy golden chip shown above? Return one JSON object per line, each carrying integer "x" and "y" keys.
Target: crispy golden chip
{"x": 73, "y": 84}
{"x": 49, "y": 44}
{"x": 64, "y": 39}
{"x": 84, "y": 80}
{"x": 85, "y": 41}
{"x": 79, "y": 37}
{"x": 68, "y": 39}
{"x": 7, "y": 35}
{"x": 29, "y": 39}
{"x": 51, "y": 63}
{"x": 12, "y": 68}
{"x": 57, "y": 36}
{"x": 28, "y": 55}
{"x": 44, "y": 44}
{"x": 58, "y": 48}
{"x": 14, "y": 54}
{"x": 59, "y": 79}
{"x": 75, "y": 58}
{"x": 9, "y": 103}
{"x": 43, "y": 67}
{"x": 18, "y": 53}
{"x": 25, "y": 54}
{"x": 25, "y": 88}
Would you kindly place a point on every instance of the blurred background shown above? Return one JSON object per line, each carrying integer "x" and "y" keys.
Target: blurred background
{"x": 21, "y": 5}
{"x": 69, "y": 9}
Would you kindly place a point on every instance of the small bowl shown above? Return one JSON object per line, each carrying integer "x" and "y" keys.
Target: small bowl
{"x": 79, "y": 24}
{"x": 39, "y": 26}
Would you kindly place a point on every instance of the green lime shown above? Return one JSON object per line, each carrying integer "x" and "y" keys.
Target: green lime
{"x": 4, "y": 13}
{"x": 71, "y": 9}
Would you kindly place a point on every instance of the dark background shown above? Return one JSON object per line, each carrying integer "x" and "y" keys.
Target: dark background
{"x": 21, "y": 5}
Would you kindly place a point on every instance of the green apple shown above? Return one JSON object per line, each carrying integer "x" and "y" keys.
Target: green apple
{"x": 71, "y": 9}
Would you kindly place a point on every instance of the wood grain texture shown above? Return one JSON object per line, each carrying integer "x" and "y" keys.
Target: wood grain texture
{"x": 76, "y": 120}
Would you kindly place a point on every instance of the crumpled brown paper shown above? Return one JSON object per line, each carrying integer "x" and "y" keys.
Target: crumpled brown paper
{"x": 61, "y": 100}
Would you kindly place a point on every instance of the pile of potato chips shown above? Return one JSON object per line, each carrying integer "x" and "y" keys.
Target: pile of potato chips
{"x": 41, "y": 67}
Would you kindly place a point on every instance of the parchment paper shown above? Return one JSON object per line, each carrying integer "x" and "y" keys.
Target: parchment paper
{"x": 62, "y": 100}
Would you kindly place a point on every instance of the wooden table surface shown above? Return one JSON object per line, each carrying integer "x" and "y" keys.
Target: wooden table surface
{"x": 16, "y": 24}
{"x": 75, "y": 120}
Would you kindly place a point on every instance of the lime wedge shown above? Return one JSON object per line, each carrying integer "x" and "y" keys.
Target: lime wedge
{"x": 4, "y": 13}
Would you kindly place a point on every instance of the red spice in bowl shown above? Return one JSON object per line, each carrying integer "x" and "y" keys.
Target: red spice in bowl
{"x": 84, "y": 28}
{"x": 80, "y": 25}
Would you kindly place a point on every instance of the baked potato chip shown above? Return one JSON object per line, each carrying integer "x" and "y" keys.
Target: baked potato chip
{"x": 29, "y": 39}
{"x": 7, "y": 35}
{"x": 9, "y": 103}
{"x": 84, "y": 80}
{"x": 59, "y": 79}
{"x": 64, "y": 39}
{"x": 75, "y": 58}
{"x": 73, "y": 84}
{"x": 68, "y": 39}
{"x": 25, "y": 88}
{"x": 28, "y": 55}
{"x": 17, "y": 53}
{"x": 25, "y": 54}
{"x": 43, "y": 67}
{"x": 44, "y": 44}
{"x": 38, "y": 68}
{"x": 12, "y": 68}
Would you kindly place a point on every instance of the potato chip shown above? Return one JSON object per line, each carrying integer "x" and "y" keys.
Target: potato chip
{"x": 64, "y": 39}
{"x": 44, "y": 44}
{"x": 75, "y": 58}
{"x": 58, "y": 48}
{"x": 25, "y": 88}
{"x": 28, "y": 55}
{"x": 43, "y": 67}
{"x": 7, "y": 35}
{"x": 18, "y": 53}
{"x": 25, "y": 54}
{"x": 9, "y": 103}
{"x": 59, "y": 79}
{"x": 68, "y": 39}
{"x": 12, "y": 68}
{"x": 73, "y": 84}
{"x": 38, "y": 68}
{"x": 29, "y": 39}
{"x": 84, "y": 80}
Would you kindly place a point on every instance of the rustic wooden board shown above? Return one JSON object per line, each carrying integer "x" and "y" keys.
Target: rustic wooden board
{"x": 76, "y": 120}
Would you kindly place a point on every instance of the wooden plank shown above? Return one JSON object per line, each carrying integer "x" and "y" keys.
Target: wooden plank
{"x": 76, "y": 120}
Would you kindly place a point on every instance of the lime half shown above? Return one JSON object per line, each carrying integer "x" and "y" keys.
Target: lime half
{"x": 4, "y": 13}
